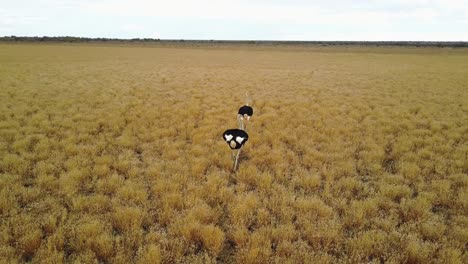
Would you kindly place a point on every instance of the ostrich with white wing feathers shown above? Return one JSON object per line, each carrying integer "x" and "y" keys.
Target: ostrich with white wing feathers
{"x": 236, "y": 138}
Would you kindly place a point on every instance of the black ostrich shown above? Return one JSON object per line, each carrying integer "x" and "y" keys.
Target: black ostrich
{"x": 244, "y": 113}
{"x": 235, "y": 138}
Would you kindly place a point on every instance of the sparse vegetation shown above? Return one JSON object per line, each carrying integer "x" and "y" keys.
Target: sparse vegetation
{"x": 114, "y": 155}
{"x": 196, "y": 42}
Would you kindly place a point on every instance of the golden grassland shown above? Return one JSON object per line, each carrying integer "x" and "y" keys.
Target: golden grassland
{"x": 114, "y": 154}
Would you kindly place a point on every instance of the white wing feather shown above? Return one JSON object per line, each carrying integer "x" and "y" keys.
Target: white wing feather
{"x": 239, "y": 140}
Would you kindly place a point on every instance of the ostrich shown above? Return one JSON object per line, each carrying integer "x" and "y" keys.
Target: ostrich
{"x": 235, "y": 138}
{"x": 244, "y": 113}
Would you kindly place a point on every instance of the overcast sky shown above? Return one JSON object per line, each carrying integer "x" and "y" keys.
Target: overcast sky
{"x": 429, "y": 20}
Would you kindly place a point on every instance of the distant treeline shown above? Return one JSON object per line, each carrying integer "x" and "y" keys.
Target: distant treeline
{"x": 69, "y": 39}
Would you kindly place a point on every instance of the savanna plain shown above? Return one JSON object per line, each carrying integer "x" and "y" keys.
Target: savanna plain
{"x": 114, "y": 154}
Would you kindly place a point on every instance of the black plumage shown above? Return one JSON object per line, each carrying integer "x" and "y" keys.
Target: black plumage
{"x": 235, "y": 138}
{"x": 246, "y": 110}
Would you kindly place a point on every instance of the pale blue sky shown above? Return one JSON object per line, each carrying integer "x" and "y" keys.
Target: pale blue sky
{"x": 430, "y": 20}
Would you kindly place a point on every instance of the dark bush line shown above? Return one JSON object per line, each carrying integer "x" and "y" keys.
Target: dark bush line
{"x": 250, "y": 42}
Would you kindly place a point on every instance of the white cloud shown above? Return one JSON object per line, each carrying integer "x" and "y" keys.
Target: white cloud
{"x": 388, "y": 18}
{"x": 305, "y": 12}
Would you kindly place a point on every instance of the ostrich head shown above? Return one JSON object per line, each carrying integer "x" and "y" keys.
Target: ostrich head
{"x": 232, "y": 144}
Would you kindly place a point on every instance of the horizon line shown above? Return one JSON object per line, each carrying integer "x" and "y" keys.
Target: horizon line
{"x": 228, "y": 40}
